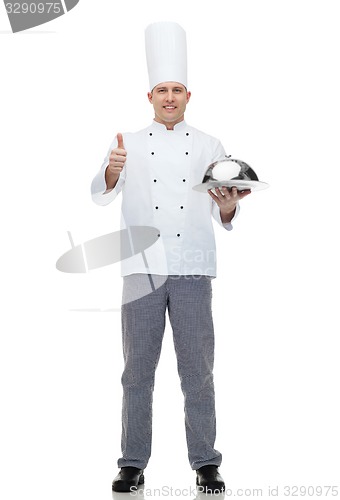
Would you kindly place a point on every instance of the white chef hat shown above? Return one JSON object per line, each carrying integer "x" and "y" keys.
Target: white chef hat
{"x": 166, "y": 53}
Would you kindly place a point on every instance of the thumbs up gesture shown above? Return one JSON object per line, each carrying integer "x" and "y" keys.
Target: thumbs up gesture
{"x": 117, "y": 158}
{"x": 116, "y": 163}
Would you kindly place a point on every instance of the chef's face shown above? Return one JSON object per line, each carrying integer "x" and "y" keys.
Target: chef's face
{"x": 169, "y": 100}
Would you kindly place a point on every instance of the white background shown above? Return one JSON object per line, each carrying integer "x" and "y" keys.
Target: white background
{"x": 264, "y": 79}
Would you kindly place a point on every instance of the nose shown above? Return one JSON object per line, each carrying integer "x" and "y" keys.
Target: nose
{"x": 169, "y": 96}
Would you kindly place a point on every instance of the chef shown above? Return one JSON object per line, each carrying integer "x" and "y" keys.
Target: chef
{"x": 155, "y": 169}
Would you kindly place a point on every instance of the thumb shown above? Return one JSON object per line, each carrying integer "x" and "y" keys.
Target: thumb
{"x": 120, "y": 141}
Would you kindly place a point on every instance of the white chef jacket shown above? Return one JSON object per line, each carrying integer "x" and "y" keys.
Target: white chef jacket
{"x": 156, "y": 182}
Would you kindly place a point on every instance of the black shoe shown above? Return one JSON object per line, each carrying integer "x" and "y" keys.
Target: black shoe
{"x": 129, "y": 477}
{"x": 209, "y": 479}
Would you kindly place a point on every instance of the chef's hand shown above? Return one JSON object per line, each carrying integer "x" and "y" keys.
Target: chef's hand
{"x": 227, "y": 200}
{"x": 116, "y": 163}
{"x": 117, "y": 157}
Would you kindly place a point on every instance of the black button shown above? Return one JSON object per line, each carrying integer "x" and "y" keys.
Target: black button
{"x": 183, "y": 180}
{"x": 150, "y": 133}
{"x": 155, "y": 180}
{"x": 152, "y": 153}
{"x": 156, "y": 208}
{"x": 181, "y": 207}
{"x": 187, "y": 133}
{"x": 158, "y": 235}
{"x": 178, "y": 234}
{"x": 186, "y": 153}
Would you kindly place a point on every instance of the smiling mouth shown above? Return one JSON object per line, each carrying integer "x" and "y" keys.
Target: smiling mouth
{"x": 169, "y": 107}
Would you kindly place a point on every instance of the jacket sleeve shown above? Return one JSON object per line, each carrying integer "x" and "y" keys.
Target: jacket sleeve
{"x": 100, "y": 195}
{"x": 219, "y": 154}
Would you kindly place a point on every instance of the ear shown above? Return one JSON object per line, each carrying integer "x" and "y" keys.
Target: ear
{"x": 150, "y": 97}
{"x": 188, "y": 96}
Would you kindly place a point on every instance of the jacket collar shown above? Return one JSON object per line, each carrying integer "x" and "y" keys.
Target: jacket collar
{"x": 160, "y": 126}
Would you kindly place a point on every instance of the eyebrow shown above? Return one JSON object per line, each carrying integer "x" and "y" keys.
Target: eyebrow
{"x": 166, "y": 88}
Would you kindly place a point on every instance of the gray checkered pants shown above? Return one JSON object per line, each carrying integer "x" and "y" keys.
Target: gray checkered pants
{"x": 188, "y": 299}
